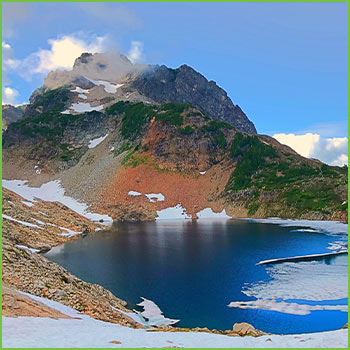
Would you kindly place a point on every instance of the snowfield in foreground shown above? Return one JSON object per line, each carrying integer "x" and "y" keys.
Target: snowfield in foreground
{"x": 84, "y": 332}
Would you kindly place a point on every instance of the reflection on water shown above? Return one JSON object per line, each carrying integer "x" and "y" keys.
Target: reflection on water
{"x": 192, "y": 270}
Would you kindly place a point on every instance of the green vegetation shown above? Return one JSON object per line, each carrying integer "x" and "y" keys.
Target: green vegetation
{"x": 252, "y": 209}
{"x": 134, "y": 159}
{"x": 53, "y": 100}
{"x": 171, "y": 113}
{"x": 315, "y": 198}
{"x": 215, "y": 125}
{"x": 175, "y": 107}
{"x": 49, "y": 125}
{"x": 135, "y": 117}
{"x": 117, "y": 108}
{"x": 68, "y": 154}
{"x": 123, "y": 148}
{"x": 213, "y": 131}
{"x": 300, "y": 185}
{"x": 251, "y": 156}
{"x": 219, "y": 139}
{"x": 186, "y": 131}
{"x": 344, "y": 206}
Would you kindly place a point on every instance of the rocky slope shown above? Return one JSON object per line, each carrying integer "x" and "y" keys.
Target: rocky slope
{"x": 30, "y": 228}
{"x": 109, "y": 127}
{"x": 171, "y": 149}
{"x": 11, "y": 114}
{"x": 185, "y": 85}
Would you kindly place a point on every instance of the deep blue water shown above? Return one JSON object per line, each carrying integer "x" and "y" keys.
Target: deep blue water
{"x": 193, "y": 270}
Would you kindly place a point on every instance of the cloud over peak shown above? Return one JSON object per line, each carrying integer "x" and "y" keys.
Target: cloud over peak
{"x": 135, "y": 53}
{"x": 64, "y": 51}
{"x": 9, "y": 95}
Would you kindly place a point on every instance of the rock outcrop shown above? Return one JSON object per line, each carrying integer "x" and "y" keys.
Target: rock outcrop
{"x": 244, "y": 329}
{"x": 26, "y": 230}
{"x": 11, "y": 114}
{"x": 185, "y": 85}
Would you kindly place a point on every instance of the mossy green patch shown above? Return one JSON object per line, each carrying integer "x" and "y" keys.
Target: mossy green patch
{"x": 188, "y": 130}
{"x": 215, "y": 125}
{"x": 250, "y": 154}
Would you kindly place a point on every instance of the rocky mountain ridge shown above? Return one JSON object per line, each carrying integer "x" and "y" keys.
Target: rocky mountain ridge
{"x": 149, "y": 84}
{"x": 172, "y": 149}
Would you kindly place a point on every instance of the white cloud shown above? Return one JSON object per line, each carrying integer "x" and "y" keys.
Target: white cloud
{"x": 332, "y": 151}
{"x": 9, "y": 96}
{"x": 61, "y": 55}
{"x": 135, "y": 53}
{"x": 64, "y": 51}
{"x": 8, "y": 61}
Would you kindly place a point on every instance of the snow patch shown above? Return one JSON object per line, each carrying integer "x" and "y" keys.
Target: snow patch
{"x": 37, "y": 170}
{"x": 86, "y": 332}
{"x": 43, "y": 332}
{"x": 202, "y": 172}
{"x": 177, "y": 212}
{"x": 158, "y": 196}
{"x": 134, "y": 193}
{"x": 302, "y": 257}
{"x": 82, "y": 107}
{"x": 153, "y": 314}
{"x": 306, "y": 230}
{"x": 68, "y": 233}
{"x": 66, "y": 310}
{"x": 109, "y": 87}
{"x": 208, "y": 213}
{"x": 338, "y": 245}
{"x": 80, "y": 90}
{"x": 32, "y": 250}
{"x": 94, "y": 142}
{"x": 312, "y": 280}
{"x": 284, "y": 307}
{"x": 20, "y": 221}
{"x": 53, "y": 192}
{"x": 28, "y": 204}
{"x": 331, "y": 227}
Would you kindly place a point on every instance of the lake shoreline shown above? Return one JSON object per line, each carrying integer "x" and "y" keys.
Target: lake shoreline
{"x": 10, "y": 245}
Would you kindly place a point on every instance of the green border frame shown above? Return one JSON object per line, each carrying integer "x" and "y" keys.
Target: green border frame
{"x": 197, "y": 1}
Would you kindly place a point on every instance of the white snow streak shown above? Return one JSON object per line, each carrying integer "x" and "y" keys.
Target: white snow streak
{"x": 53, "y": 192}
{"x": 94, "y": 142}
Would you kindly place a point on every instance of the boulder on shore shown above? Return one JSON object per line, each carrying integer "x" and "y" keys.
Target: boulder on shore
{"x": 245, "y": 328}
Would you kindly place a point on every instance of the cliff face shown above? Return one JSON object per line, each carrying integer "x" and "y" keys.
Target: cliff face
{"x": 185, "y": 85}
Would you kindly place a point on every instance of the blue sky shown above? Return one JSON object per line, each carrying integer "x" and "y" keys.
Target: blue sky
{"x": 285, "y": 64}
